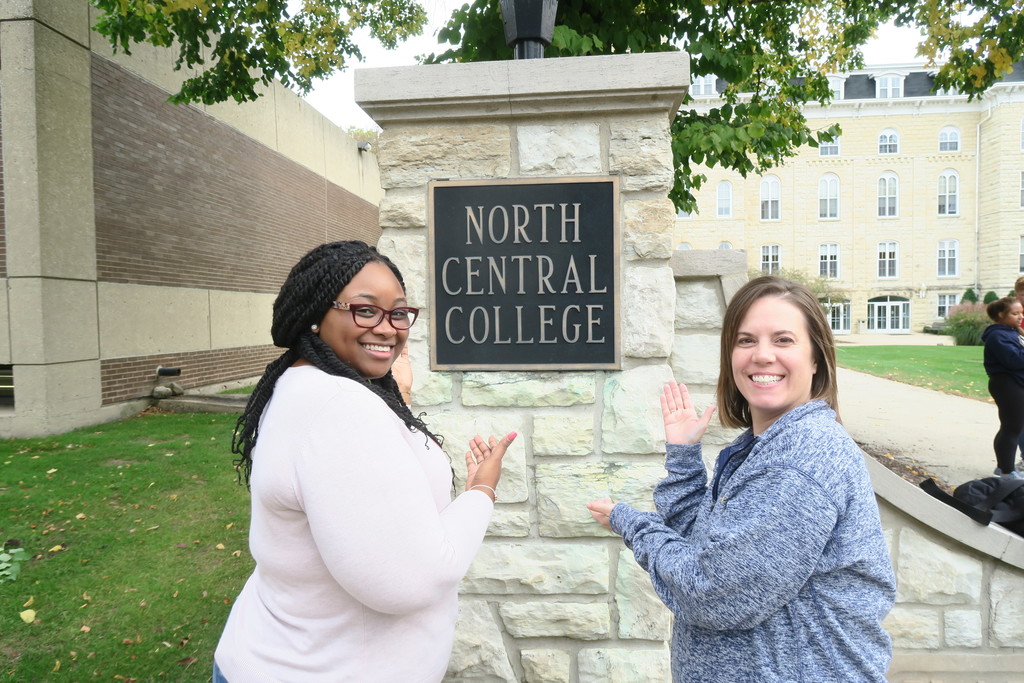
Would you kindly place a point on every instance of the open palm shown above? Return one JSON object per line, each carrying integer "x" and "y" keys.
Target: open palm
{"x": 682, "y": 423}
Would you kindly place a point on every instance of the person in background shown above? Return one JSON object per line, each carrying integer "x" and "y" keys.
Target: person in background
{"x": 1004, "y": 364}
{"x": 359, "y": 547}
{"x": 1018, "y": 291}
{"x": 776, "y": 569}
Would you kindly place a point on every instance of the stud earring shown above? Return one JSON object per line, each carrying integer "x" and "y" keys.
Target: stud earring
{"x": 314, "y": 328}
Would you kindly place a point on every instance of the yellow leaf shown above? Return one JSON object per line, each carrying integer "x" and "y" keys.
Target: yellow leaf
{"x": 51, "y": 471}
{"x": 28, "y": 616}
{"x": 85, "y": 629}
{"x": 56, "y": 665}
{"x": 31, "y": 599}
{"x": 80, "y": 515}
{"x": 56, "y": 548}
{"x": 219, "y": 546}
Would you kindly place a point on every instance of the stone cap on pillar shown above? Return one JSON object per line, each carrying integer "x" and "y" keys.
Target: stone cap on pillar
{"x": 524, "y": 89}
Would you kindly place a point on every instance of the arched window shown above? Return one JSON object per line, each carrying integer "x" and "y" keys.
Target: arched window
{"x": 888, "y": 195}
{"x": 949, "y": 193}
{"x": 704, "y": 86}
{"x": 889, "y": 314}
{"x": 771, "y": 258}
{"x": 684, "y": 246}
{"x": 949, "y": 251}
{"x": 828, "y": 260}
{"x": 771, "y": 192}
{"x": 725, "y": 245}
{"x": 949, "y": 139}
{"x": 828, "y": 196}
{"x": 888, "y": 259}
{"x": 724, "y": 199}
{"x": 888, "y": 142}
{"x": 889, "y": 86}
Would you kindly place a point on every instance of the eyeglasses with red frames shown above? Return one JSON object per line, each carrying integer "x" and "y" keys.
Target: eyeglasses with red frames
{"x": 368, "y": 315}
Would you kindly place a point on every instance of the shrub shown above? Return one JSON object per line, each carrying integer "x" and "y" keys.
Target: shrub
{"x": 969, "y": 297}
{"x": 990, "y": 297}
{"x": 966, "y": 322}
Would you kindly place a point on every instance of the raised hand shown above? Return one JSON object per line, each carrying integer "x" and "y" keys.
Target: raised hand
{"x": 483, "y": 462}
{"x": 682, "y": 423}
{"x": 601, "y": 510}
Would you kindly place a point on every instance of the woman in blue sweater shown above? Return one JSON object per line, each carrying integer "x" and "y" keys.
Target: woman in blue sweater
{"x": 1004, "y": 363}
{"x": 777, "y": 570}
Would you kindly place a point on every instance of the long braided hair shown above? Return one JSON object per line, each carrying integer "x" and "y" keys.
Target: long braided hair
{"x": 304, "y": 299}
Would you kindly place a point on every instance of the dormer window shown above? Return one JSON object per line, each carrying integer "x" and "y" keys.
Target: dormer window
{"x": 836, "y": 84}
{"x": 889, "y": 86}
{"x": 704, "y": 86}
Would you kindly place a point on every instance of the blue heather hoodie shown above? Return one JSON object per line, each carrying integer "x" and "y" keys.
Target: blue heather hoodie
{"x": 786, "y": 577}
{"x": 1004, "y": 352}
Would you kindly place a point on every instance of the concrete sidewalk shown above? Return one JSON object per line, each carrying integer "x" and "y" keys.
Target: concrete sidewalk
{"x": 950, "y": 436}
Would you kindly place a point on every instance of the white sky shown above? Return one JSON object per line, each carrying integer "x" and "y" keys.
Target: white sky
{"x": 335, "y": 99}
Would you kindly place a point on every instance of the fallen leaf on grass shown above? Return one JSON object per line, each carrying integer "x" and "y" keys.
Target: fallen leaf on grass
{"x": 85, "y": 629}
{"x": 31, "y": 599}
{"x": 58, "y": 548}
{"x": 188, "y": 661}
{"x": 56, "y": 666}
{"x": 51, "y": 471}
{"x": 219, "y": 546}
{"x": 28, "y": 616}
{"x": 80, "y": 515}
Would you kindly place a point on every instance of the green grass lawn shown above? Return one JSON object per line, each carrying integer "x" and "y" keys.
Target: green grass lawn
{"x": 951, "y": 369}
{"x": 137, "y": 534}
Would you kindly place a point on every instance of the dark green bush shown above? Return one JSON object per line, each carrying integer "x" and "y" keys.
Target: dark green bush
{"x": 966, "y": 322}
{"x": 969, "y": 297}
{"x": 990, "y": 297}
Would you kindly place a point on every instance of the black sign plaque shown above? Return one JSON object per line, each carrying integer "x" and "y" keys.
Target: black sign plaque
{"x": 524, "y": 274}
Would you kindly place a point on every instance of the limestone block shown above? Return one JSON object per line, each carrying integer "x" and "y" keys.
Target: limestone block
{"x": 699, "y": 305}
{"x": 580, "y": 621}
{"x": 649, "y": 228}
{"x": 546, "y": 666}
{"x": 410, "y": 156}
{"x": 563, "y": 491}
{"x": 631, "y": 422}
{"x": 560, "y": 434}
{"x": 963, "y": 628}
{"x": 933, "y": 574}
{"x": 913, "y": 628}
{"x": 521, "y": 568}
{"x": 1007, "y": 607}
{"x": 696, "y": 358}
{"x": 527, "y": 389}
{"x": 409, "y": 253}
{"x": 459, "y": 428}
{"x": 428, "y": 388}
{"x": 642, "y": 614}
{"x": 641, "y": 151}
{"x": 404, "y": 209}
{"x": 560, "y": 149}
{"x": 479, "y": 651}
{"x": 648, "y": 301}
{"x": 615, "y": 664}
{"x": 509, "y": 522}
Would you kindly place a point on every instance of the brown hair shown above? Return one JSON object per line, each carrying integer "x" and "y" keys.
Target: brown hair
{"x": 1000, "y": 306}
{"x": 1018, "y": 286}
{"x": 733, "y": 409}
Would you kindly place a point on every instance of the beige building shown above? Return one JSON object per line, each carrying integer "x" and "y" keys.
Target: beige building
{"x": 920, "y": 198}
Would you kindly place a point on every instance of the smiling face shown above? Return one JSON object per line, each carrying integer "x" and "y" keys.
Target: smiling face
{"x": 369, "y": 351}
{"x": 1013, "y": 315}
{"x": 773, "y": 360}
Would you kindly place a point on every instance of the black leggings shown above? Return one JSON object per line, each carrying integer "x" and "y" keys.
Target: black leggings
{"x": 1009, "y": 397}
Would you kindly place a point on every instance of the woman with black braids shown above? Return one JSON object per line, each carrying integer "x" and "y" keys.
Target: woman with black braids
{"x": 359, "y": 548}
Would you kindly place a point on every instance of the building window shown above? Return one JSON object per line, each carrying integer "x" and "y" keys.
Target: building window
{"x": 949, "y": 139}
{"x": 828, "y": 261}
{"x": 948, "y": 252}
{"x": 704, "y": 86}
{"x": 1020, "y": 256}
{"x": 6, "y": 386}
{"x": 839, "y": 313}
{"x": 1022, "y": 135}
{"x": 836, "y": 84}
{"x": 725, "y": 199}
{"x": 771, "y": 191}
{"x": 888, "y": 195}
{"x": 828, "y": 196}
{"x": 888, "y": 259}
{"x": 724, "y": 245}
{"x": 1022, "y": 189}
{"x": 946, "y": 302}
{"x": 888, "y": 142}
{"x": 949, "y": 192}
{"x": 889, "y": 87}
{"x": 771, "y": 259}
{"x": 889, "y": 314}
{"x": 684, "y": 246}
{"x": 829, "y": 149}
{"x": 682, "y": 213}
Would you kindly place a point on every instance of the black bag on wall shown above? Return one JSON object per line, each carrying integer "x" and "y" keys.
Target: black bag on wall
{"x": 992, "y": 499}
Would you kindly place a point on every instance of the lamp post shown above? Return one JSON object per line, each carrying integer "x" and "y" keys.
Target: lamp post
{"x": 529, "y": 25}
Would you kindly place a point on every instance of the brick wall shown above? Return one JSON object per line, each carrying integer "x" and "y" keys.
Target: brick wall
{"x": 123, "y": 379}
{"x": 184, "y": 200}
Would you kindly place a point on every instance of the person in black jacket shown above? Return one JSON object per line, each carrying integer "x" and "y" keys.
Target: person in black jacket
{"x": 1004, "y": 363}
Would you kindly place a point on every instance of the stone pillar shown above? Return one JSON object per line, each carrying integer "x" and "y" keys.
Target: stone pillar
{"x": 551, "y": 596}
{"x": 49, "y": 292}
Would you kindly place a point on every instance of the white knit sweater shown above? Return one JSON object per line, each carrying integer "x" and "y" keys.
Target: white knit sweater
{"x": 359, "y": 550}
